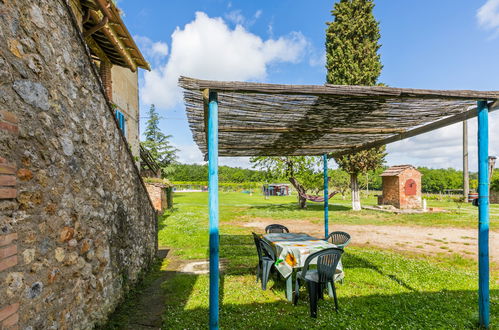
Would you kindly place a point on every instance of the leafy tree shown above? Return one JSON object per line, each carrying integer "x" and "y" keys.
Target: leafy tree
{"x": 339, "y": 180}
{"x": 195, "y": 172}
{"x": 352, "y": 59}
{"x": 157, "y": 143}
{"x": 300, "y": 168}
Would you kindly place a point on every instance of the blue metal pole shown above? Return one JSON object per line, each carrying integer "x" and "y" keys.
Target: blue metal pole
{"x": 213, "y": 206}
{"x": 483, "y": 213}
{"x": 326, "y": 199}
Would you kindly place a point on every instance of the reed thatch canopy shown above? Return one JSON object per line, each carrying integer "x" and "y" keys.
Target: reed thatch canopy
{"x": 269, "y": 119}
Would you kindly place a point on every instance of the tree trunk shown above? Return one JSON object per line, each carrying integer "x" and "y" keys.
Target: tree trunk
{"x": 354, "y": 185}
{"x": 302, "y": 202}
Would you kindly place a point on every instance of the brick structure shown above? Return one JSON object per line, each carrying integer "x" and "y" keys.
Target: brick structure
{"x": 401, "y": 187}
{"x": 9, "y": 133}
{"x": 106, "y": 78}
{"x": 157, "y": 193}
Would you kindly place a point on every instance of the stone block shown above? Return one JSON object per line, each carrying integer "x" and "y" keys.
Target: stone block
{"x": 24, "y": 174}
{"x": 66, "y": 234}
{"x": 32, "y": 93}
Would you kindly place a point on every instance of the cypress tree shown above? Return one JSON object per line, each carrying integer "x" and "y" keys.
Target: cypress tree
{"x": 352, "y": 44}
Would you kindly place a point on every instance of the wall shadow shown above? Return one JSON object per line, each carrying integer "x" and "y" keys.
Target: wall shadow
{"x": 414, "y": 310}
{"x": 144, "y": 305}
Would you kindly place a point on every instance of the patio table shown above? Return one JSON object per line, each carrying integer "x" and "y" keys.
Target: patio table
{"x": 292, "y": 249}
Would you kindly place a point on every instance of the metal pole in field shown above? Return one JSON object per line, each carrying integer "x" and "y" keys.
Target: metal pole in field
{"x": 213, "y": 206}
{"x": 326, "y": 199}
{"x": 483, "y": 213}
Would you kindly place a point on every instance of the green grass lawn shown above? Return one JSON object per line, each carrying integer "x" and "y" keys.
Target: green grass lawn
{"x": 382, "y": 289}
{"x": 239, "y": 206}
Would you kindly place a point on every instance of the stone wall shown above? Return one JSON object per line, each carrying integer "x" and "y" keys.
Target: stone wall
{"x": 76, "y": 224}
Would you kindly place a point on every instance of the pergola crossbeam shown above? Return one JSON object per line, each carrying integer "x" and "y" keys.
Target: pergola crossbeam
{"x": 338, "y": 130}
{"x": 346, "y": 90}
{"x": 417, "y": 131}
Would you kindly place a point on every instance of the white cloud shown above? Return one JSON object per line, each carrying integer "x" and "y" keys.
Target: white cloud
{"x": 207, "y": 48}
{"x": 154, "y": 52}
{"x": 488, "y": 14}
{"x": 189, "y": 154}
{"x": 443, "y": 148}
{"x": 236, "y": 17}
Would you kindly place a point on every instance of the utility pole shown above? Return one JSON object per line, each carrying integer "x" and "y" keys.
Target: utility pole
{"x": 466, "y": 176}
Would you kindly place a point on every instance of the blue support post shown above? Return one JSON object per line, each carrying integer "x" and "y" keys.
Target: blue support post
{"x": 213, "y": 206}
{"x": 326, "y": 199}
{"x": 483, "y": 213}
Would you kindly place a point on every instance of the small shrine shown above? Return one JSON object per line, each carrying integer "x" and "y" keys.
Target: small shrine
{"x": 401, "y": 187}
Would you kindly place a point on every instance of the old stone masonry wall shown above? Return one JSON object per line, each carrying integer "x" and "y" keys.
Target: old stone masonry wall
{"x": 76, "y": 224}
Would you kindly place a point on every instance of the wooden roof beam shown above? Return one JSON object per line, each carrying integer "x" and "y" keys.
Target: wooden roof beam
{"x": 101, "y": 54}
{"x": 115, "y": 40}
{"x": 336, "y": 147}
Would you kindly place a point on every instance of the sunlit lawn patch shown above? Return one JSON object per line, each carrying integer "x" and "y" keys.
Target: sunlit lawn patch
{"x": 381, "y": 289}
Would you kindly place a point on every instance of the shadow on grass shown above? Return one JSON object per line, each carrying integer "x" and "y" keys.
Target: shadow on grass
{"x": 144, "y": 306}
{"x": 311, "y": 207}
{"x": 181, "y": 300}
{"x": 162, "y": 219}
{"x": 354, "y": 261}
{"x": 240, "y": 253}
{"x": 415, "y": 310}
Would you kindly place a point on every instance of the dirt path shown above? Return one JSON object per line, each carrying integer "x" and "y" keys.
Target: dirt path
{"x": 413, "y": 239}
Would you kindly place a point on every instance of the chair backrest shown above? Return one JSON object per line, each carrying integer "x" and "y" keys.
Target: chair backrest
{"x": 339, "y": 238}
{"x": 267, "y": 250}
{"x": 276, "y": 228}
{"x": 327, "y": 261}
{"x": 257, "y": 240}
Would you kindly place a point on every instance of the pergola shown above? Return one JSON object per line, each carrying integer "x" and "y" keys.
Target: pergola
{"x": 254, "y": 119}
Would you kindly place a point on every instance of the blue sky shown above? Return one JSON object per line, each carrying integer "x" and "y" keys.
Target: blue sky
{"x": 444, "y": 44}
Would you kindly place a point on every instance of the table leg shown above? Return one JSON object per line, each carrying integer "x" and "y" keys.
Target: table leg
{"x": 289, "y": 287}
